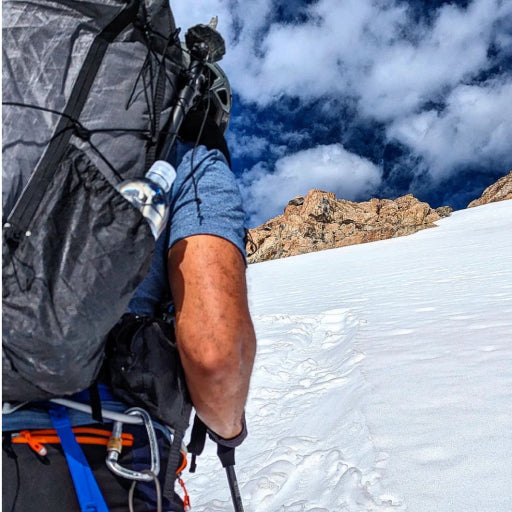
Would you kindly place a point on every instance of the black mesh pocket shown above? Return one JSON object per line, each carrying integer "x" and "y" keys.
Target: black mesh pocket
{"x": 68, "y": 282}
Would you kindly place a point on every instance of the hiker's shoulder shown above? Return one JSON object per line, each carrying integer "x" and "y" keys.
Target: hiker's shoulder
{"x": 206, "y": 199}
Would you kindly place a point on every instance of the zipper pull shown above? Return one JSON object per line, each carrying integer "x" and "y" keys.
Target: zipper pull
{"x": 187, "y": 507}
{"x": 38, "y": 447}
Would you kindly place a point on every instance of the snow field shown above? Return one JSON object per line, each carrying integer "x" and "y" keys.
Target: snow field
{"x": 383, "y": 378}
{"x": 305, "y": 468}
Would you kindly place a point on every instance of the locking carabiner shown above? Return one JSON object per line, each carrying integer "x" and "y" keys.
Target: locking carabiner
{"x": 114, "y": 449}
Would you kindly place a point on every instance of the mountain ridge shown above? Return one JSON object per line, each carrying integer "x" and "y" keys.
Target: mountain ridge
{"x": 320, "y": 221}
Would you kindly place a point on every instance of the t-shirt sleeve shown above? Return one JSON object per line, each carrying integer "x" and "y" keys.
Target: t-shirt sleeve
{"x": 206, "y": 200}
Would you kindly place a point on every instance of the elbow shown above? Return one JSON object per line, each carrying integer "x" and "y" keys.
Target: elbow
{"x": 216, "y": 366}
{"x": 220, "y": 357}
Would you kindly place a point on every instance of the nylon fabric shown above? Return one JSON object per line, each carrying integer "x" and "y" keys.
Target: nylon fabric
{"x": 74, "y": 250}
{"x": 60, "y": 296}
{"x": 41, "y": 79}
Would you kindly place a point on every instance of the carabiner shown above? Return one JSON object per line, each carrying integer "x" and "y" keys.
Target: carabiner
{"x": 114, "y": 449}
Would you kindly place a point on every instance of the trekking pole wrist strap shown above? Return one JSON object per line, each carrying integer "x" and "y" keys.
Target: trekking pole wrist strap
{"x": 225, "y": 447}
{"x": 232, "y": 442}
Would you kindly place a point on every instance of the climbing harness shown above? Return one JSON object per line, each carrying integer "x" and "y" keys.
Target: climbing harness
{"x": 117, "y": 439}
{"x": 72, "y": 438}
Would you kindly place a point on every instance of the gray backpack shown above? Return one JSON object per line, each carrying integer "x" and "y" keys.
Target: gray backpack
{"x": 88, "y": 89}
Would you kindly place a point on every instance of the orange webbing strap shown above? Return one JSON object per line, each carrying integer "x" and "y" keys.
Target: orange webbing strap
{"x": 183, "y": 464}
{"x": 36, "y": 439}
{"x": 81, "y": 430}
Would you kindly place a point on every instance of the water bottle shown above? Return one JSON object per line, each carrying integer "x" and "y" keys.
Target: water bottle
{"x": 149, "y": 194}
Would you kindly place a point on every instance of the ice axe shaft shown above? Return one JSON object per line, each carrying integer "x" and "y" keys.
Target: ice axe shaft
{"x": 186, "y": 99}
{"x": 205, "y": 44}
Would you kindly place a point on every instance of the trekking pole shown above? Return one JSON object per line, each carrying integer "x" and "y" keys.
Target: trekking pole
{"x": 227, "y": 458}
{"x": 225, "y": 452}
{"x": 205, "y": 44}
{"x": 233, "y": 487}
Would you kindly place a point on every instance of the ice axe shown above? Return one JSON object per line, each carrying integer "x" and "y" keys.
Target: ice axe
{"x": 205, "y": 45}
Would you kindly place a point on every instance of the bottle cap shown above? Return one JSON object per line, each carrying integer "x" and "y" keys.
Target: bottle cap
{"x": 163, "y": 174}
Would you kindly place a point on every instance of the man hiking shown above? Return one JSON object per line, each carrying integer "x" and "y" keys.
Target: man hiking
{"x": 199, "y": 267}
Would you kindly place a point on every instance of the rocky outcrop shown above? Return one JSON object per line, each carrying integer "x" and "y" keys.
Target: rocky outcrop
{"x": 320, "y": 221}
{"x": 444, "y": 211}
{"x": 498, "y": 191}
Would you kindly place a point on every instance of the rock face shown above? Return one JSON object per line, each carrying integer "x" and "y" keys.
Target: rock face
{"x": 498, "y": 191}
{"x": 320, "y": 221}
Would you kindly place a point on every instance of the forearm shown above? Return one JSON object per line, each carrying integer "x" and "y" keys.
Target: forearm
{"x": 214, "y": 331}
{"x": 219, "y": 386}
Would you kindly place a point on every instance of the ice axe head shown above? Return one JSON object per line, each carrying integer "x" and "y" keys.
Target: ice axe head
{"x": 204, "y": 43}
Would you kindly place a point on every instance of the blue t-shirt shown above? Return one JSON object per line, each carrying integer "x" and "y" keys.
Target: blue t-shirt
{"x": 204, "y": 200}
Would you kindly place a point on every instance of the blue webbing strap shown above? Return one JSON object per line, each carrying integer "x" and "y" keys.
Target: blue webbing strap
{"x": 86, "y": 487}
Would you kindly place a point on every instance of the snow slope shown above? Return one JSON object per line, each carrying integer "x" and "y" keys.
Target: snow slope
{"x": 383, "y": 379}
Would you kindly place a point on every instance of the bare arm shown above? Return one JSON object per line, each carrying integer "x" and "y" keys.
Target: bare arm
{"x": 214, "y": 330}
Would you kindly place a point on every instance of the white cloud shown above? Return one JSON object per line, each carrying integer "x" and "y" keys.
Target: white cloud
{"x": 307, "y": 60}
{"x": 330, "y": 168}
{"x": 475, "y": 127}
{"x": 250, "y": 146}
{"x": 389, "y": 66}
{"x": 405, "y": 74}
{"x": 362, "y": 48}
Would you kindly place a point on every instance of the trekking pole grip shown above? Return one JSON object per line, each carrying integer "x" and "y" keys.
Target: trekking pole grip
{"x": 226, "y": 454}
{"x": 227, "y": 457}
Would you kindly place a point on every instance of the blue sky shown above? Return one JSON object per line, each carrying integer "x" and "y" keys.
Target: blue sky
{"x": 365, "y": 98}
